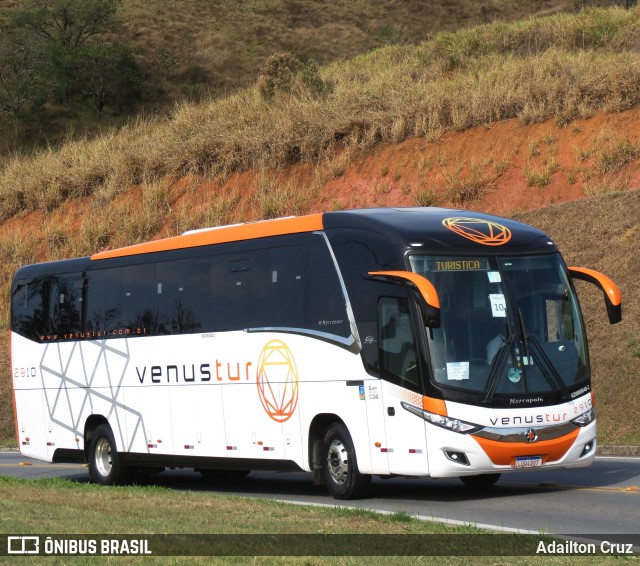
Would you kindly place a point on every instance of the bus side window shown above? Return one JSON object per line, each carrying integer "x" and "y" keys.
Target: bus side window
{"x": 326, "y": 308}
{"x": 37, "y": 320}
{"x": 27, "y": 315}
{"x": 138, "y": 297}
{"x": 396, "y": 343}
{"x": 68, "y": 304}
{"x": 287, "y": 281}
{"x": 182, "y": 296}
{"x": 304, "y": 289}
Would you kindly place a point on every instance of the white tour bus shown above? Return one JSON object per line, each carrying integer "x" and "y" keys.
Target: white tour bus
{"x": 410, "y": 342}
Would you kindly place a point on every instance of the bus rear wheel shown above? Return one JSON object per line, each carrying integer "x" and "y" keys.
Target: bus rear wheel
{"x": 343, "y": 478}
{"x": 105, "y": 465}
{"x": 480, "y": 481}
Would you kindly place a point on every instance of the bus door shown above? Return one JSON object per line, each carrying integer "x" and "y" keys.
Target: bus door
{"x": 401, "y": 383}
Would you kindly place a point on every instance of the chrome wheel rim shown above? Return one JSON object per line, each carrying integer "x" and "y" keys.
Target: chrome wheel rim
{"x": 103, "y": 457}
{"x": 337, "y": 462}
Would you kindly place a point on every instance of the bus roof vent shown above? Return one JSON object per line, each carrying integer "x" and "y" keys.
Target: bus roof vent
{"x": 201, "y": 230}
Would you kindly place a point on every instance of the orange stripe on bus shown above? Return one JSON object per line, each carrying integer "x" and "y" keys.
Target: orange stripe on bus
{"x": 505, "y": 453}
{"x": 435, "y": 406}
{"x": 249, "y": 231}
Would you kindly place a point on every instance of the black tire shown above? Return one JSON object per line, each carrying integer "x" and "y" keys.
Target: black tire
{"x": 340, "y": 465}
{"x": 105, "y": 464}
{"x": 480, "y": 481}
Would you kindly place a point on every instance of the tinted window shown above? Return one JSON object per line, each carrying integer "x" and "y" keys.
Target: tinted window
{"x": 306, "y": 291}
{"x": 396, "y": 342}
{"x": 122, "y": 300}
{"x": 277, "y": 286}
{"x": 68, "y": 303}
{"x": 28, "y": 309}
{"x": 183, "y": 295}
{"x": 239, "y": 290}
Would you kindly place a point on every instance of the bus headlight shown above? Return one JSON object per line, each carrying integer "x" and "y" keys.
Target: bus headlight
{"x": 455, "y": 425}
{"x": 585, "y": 418}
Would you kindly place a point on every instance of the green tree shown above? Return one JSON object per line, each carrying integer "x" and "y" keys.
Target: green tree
{"x": 106, "y": 75}
{"x": 68, "y": 23}
{"x": 20, "y": 71}
{"x": 79, "y": 59}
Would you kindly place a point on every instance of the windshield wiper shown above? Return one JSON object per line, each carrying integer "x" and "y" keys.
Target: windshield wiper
{"x": 551, "y": 374}
{"x": 525, "y": 339}
{"x": 553, "y": 377}
{"x": 496, "y": 366}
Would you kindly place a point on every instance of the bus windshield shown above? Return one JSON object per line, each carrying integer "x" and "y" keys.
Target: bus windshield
{"x": 510, "y": 328}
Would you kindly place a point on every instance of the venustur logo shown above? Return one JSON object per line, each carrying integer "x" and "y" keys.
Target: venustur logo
{"x": 277, "y": 380}
{"x": 485, "y": 232}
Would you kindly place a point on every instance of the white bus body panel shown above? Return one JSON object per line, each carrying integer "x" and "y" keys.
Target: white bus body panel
{"x": 191, "y": 395}
{"x": 247, "y": 395}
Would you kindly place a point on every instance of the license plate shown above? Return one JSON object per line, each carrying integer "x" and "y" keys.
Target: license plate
{"x": 528, "y": 462}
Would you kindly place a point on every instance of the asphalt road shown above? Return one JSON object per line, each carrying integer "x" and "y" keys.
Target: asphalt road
{"x": 589, "y": 503}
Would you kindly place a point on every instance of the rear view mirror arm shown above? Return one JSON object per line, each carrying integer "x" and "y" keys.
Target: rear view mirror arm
{"x": 426, "y": 290}
{"x": 612, "y": 294}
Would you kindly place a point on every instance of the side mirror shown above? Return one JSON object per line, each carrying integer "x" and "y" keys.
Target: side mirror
{"x": 430, "y": 303}
{"x": 612, "y": 294}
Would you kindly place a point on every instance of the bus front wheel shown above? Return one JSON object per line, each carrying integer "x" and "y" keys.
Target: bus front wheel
{"x": 105, "y": 466}
{"x": 343, "y": 478}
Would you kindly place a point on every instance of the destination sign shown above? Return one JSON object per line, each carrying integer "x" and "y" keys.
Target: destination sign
{"x": 458, "y": 264}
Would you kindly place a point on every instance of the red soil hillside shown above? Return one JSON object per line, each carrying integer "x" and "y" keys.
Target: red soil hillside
{"x": 502, "y": 168}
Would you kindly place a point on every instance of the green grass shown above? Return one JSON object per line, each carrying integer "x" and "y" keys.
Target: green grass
{"x": 56, "y": 506}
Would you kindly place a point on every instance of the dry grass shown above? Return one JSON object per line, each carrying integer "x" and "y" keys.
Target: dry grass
{"x": 463, "y": 188}
{"x": 387, "y": 96}
{"x": 616, "y": 154}
{"x": 602, "y": 233}
{"x": 199, "y": 51}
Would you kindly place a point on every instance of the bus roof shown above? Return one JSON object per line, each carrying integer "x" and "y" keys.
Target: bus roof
{"x": 440, "y": 229}
{"x": 222, "y": 234}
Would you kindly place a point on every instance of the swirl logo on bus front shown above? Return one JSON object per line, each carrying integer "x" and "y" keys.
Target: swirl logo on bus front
{"x": 485, "y": 232}
{"x": 277, "y": 380}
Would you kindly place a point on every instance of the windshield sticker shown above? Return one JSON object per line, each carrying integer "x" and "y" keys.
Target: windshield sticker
{"x": 494, "y": 277}
{"x": 498, "y": 305}
{"x": 514, "y": 375}
{"x": 457, "y": 371}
